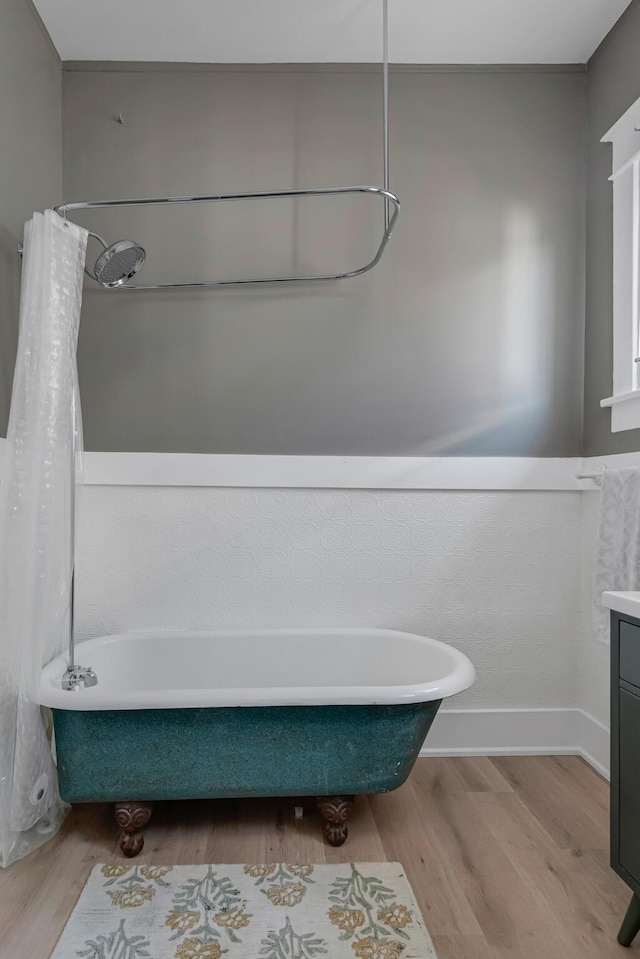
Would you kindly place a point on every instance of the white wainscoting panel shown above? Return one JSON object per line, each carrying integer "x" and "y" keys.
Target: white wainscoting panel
{"x": 410, "y": 543}
{"x": 496, "y": 574}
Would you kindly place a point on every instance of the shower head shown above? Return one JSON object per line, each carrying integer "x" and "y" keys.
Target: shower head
{"x": 117, "y": 263}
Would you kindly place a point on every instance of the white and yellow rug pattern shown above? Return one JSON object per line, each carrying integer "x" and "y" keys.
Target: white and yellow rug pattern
{"x": 283, "y": 911}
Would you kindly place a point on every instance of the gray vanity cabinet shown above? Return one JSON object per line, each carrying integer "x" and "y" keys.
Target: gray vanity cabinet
{"x": 625, "y": 764}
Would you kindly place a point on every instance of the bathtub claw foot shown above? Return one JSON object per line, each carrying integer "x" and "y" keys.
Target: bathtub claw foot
{"x": 335, "y": 810}
{"x": 132, "y": 817}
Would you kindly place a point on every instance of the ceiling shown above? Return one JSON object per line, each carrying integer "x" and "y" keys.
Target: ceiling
{"x": 298, "y": 31}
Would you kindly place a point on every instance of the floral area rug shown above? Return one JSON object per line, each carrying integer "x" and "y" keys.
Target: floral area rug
{"x": 348, "y": 911}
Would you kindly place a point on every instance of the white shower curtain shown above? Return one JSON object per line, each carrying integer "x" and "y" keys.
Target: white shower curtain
{"x": 38, "y": 468}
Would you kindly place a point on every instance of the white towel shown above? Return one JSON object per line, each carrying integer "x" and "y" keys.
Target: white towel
{"x": 617, "y": 563}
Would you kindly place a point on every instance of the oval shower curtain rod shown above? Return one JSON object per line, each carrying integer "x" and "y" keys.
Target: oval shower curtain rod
{"x": 120, "y": 261}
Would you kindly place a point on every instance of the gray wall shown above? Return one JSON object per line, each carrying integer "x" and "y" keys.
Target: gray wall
{"x": 467, "y": 339}
{"x": 30, "y": 157}
{"x": 613, "y": 85}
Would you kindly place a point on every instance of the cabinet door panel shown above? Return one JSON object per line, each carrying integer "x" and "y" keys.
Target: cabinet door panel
{"x": 629, "y": 808}
{"x": 630, "y": 653}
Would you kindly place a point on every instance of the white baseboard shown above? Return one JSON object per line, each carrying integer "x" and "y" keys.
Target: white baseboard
{"x": 594, "y": 742}
{"x": 520, "y": 732}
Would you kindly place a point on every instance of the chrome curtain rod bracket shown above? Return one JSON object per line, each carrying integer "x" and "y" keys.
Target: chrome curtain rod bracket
{"x": 390, "y": 201}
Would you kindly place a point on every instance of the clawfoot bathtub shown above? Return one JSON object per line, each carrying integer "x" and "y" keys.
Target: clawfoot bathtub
{"x": 327, "y": 713}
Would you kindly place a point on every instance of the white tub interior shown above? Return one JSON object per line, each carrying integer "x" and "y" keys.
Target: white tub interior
{"x": 260, "y": 668}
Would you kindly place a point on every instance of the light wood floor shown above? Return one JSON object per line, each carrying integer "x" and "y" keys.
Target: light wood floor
{"x": 508, "y": 857}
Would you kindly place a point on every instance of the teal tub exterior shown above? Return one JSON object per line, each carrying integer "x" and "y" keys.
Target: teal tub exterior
{"x": 206, "y": 753}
